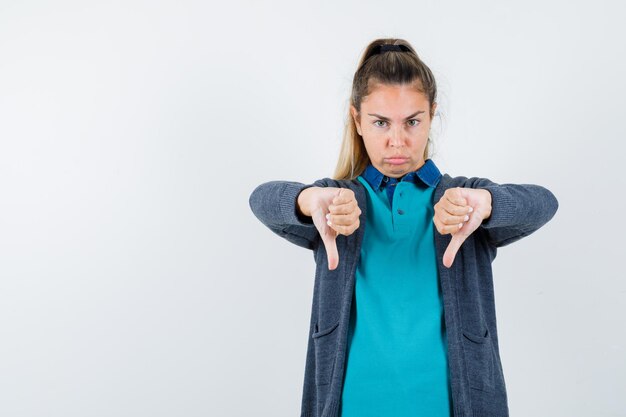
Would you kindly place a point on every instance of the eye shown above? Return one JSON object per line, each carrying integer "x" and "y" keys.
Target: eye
{"x": 414, "y": 120}
{"x": 376, "y": 121}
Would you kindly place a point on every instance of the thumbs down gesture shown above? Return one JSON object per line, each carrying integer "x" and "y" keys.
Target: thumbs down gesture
{"x": 334, "y": 211}
{"x": 459, "y": 212}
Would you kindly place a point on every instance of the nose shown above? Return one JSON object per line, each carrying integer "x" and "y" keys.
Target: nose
{"x": 396, "y": 137}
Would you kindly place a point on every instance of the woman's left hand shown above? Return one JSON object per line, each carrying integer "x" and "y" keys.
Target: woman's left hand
{"x": 451, "y": 211}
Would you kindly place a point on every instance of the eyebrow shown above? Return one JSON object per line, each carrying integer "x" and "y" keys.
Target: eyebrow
{"x": 386, "y": 118}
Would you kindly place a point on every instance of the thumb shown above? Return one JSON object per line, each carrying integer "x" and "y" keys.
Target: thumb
{"x": 328, "y": 236}
{"x": 453, "y": 247}
{"x": 331, "y": 249}
{"x": 329, "y": 239}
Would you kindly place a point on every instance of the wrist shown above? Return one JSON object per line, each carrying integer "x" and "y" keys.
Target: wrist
{"x": 488, "y": 205}
{"x": 304, "y": 201}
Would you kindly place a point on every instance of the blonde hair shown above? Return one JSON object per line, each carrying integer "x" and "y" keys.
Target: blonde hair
{"x": 393, "y": 67}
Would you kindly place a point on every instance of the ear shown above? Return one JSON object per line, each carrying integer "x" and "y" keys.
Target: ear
{"x": 355, "y": 116}
{"x": 433, "y": 110}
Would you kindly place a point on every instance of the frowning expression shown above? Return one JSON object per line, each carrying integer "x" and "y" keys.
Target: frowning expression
{"x": 394, "y": 123}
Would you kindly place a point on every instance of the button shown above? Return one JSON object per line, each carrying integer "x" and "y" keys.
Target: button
{"x": 400, "y": 211}
{"x": 400, "y": 193}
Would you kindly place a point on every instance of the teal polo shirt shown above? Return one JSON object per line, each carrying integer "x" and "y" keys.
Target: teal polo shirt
{"x": 396, "y": 364}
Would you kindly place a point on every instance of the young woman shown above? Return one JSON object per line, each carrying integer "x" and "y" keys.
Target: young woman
{"x": 403, "y": 318}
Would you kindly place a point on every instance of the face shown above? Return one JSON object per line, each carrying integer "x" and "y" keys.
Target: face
{"x": 394, "y": 123}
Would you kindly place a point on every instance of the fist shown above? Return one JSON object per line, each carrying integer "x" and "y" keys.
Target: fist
{"x": 459, "y": 212}
{"x": 334, "y": 211}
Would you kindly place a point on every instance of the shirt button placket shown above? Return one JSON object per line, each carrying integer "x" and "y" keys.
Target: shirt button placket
{"x": 400, "y": 200}
{"x": 402, "y": 222}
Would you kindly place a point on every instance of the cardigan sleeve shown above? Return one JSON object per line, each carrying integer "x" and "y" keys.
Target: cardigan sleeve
{"x": 517, "y": 210}
{"x": 274, "y": 204}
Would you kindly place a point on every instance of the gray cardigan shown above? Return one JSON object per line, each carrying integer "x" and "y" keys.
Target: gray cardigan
{"x": 476, "y": 376}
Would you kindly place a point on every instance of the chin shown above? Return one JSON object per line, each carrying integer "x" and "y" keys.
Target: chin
{"x": 397, "y": 171}
{"x": 400, "y": 170}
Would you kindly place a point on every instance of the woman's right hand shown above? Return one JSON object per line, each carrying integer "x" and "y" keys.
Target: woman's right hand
{"x": 334, "y": 211}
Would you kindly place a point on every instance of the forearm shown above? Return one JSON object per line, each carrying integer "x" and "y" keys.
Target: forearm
{"x": 517, "y": 210}
{"x": 274, "y": 203}
{"x": 519, "y": 206}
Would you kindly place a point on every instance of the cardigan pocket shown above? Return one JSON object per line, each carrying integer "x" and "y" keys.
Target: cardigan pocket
{"x": 325, "y": 342}
{"x": 479, "y": 360}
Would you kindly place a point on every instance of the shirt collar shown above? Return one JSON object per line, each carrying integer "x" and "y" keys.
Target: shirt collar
{"x": 428, "y": 174}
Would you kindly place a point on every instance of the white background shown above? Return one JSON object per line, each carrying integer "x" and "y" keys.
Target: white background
{"x": 134, "y": 278}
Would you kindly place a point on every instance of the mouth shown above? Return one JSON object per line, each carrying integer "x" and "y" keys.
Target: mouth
{"x": 397, "y": 160}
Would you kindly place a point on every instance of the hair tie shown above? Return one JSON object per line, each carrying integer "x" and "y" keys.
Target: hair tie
{"x": 390, "y": 47}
